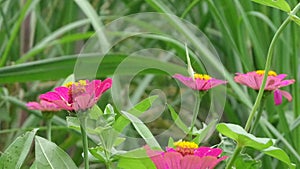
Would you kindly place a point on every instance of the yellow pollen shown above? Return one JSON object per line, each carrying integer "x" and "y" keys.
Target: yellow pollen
{"x": 69, "y": 84}
{"x": 185, "y": 144}
{"x": 202, "y": 76}
{"x": 270, "y": 73}
{"x": 80, "y": 82}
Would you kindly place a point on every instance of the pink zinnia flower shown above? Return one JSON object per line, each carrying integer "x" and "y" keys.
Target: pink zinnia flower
{"x": 199, "y": 82}
{"x": 274, "y": 82}
{"x": 43, "y": 106}
{"x": 76, "y": 96}
{"x": 186, "y": 155}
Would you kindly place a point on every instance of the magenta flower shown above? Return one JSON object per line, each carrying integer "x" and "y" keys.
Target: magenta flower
{"x": 274, "y": 82}
{"x": 77, "y": 96}
{"x": 186, "y": 155}
{"x": 43, "y": 106}
{"x": 200, "y": 82}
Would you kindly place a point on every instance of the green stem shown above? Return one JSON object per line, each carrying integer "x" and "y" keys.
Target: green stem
{"x": 259, "y": 113}
{"x": 198, "y": 96}
{"x": 48, "y": 131}
{"x": 190, "y": 7}
{"x": 238, "y": 149}
{"x": 236, "y": 152}
{"x": 267, "y": 68}
{"x": 106, "y": 153}
{"x": 84, "y": 142}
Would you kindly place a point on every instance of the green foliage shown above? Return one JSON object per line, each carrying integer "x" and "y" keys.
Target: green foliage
{"x": 49, "y": 156}
{"x": 243, "y": 138}
{"x": 246, "y": 162}
{"x": 38, "y": 50}
{"x": 15, "y": 155}
{"x": 136, "y": 159}
{"x": 280, "y": 4}
{"x": 142, "y": 129}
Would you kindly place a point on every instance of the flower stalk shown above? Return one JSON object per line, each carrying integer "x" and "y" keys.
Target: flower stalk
{"x": 49, "y": 127}
{"x": 198, "y": 95}
{"x": 238, "y": 148}
{"x": 83, "y": 119}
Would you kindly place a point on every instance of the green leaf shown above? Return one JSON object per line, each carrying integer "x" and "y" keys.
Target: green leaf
{"x": 33, "y": 166}
{"x": 171, "y": 142}
{"x": 279, "y": 4}
{"x": 243, "y": 138}
{"x": 202, "y": 133}
{"x": 95, "y": 112}
{"x": 61, "y": 67}
{"x": 244, "y": 161}
{"x": 98, "y": 153}
{"x": 91, "y": 128}
{"x": 142, "y": 129}
{"x": 177, "y": 120}
{"x": 280, "y": 155}
{"x": 49, "y": 156}
{"x": 136, "y": 159}
{"x": 15, "y": 154}
{"x": 137, "y": 110}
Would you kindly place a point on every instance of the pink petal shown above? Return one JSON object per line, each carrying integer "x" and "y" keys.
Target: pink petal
{"x": 50, "y": 96}
{"x": 201, "y": 84}
{"x": 63, "y": 92}
{"x": 82, "y": 102}
{"x": 208, "y": 162}
{"x": 172, "y": 159}
{"x": 214, "y": 152}
{"x": 277, "y": 97}
{"x": 287, "y": 95}
{"x": 63, "y": 105}
{"x": 286, "y": 82}
{"x": 156, "y": 157}
{"x": 190, "y": 162}
{"x": 281, "y": 76}
{"x": 33, "y": 106}
{"x": 105, "y": 85}
{"x": 202, "y": 151}
{"x": 189, "y": 82}
{"x": 216, "y": 82}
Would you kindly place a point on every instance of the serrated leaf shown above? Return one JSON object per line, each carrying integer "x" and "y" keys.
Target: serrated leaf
{"x": 142, "y": 129}
{"x": 16, "y": 153}
{"x": 49, "y": 156}
{"x": 243, "y": 138}
{"x": 279, "y": 4}
{"x": 280, "y": 155}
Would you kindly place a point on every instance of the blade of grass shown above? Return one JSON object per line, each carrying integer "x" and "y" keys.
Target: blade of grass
{"x": 15, "y": 31}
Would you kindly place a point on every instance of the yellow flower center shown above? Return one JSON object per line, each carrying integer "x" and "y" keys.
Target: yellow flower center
{"x": 270, "y": 73}
{"x": 185, "y": 144}
{"x": 80, "y": 82}
{"x": 185, "y": 147}
{"x": 202, "y": 76}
